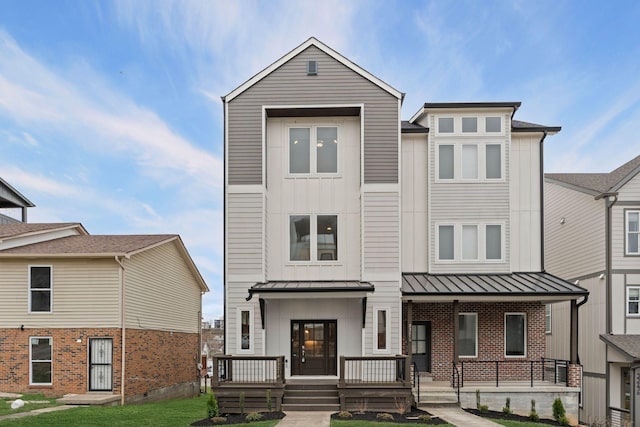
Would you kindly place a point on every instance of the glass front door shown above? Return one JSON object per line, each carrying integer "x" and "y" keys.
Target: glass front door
{"x": 313, "y": 347}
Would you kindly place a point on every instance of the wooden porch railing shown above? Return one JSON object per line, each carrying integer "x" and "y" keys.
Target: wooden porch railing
{"x": 265, "y": 370}
{"x": 378, "y": 370}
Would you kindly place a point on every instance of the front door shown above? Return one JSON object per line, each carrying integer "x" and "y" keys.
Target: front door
{"x": 314, "y": 347}
{"x": 421, "y": 345}
{"x": 100, "y": 364}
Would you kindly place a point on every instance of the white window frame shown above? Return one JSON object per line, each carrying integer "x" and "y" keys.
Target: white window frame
{"x": 548, "y": 319}
{"x": 481, "y": 228}
{"x": 627, "y": 232}
{"x": 484, "y": 124}
{"x": 313, "y": 151}
{"x": 31, "y": 361}
{"x": 476, "y": 337}
{"x": 629, "y": 314}
{"x": 30, "y": 290}
{"x": 524, "y": 315}
{"x": 387, "y": 348}
{"x": 313, "y": 239}
{"x": 481, "y": 154}
{"x": 252, "y": 331}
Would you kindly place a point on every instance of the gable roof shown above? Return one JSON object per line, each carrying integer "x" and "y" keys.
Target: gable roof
{"x": 627, "y": 344}
{"x": 22, "y": 229}
{"x": 598, "y": 183}
{"x": 12, "y": 198}
{"x": 312, "y": 41}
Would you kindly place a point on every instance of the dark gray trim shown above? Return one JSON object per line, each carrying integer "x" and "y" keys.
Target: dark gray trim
{"x": 587, "y": 276}
{"x": 434, "y": 105}
{"x": 608, "y": 204}
{"x": 594, "y": 375}
{"x": 629, "y": 203}
{"x": 544, "y": 135}
{"x": 313, "y": 112}
{"x": 625, "y": 271}
{"x": 262, "y": 311}
{"x": 536, "y": 129}
{"x": 224, "y": 226}
{"x": 308, "y": 286}
{"x": 407, "y": 127}
{"x": 364, "y": 312}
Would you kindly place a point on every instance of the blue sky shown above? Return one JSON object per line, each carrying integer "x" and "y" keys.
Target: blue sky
{"x": 110, "y": 111}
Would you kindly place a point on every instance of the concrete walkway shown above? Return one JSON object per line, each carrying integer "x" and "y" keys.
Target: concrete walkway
{"x": 306, "y": 419}
{"x": 36, "y": 412}
{"x": 459, "y": 417}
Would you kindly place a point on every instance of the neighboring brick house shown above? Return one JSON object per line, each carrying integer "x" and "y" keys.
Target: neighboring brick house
{"x": 111, "y": 313}
{"x": 592, "y": 236}
{"x": 349, "y": 232}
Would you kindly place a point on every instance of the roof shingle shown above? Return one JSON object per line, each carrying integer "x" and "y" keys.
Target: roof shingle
{"x": 599, "y": 182}
{"x": 91, "y": 245}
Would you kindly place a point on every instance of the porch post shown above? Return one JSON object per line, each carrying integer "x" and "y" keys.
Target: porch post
{"x": 573, "y": 340}
{"x": 408, "y": 334}
{"x": 456, "y": 328}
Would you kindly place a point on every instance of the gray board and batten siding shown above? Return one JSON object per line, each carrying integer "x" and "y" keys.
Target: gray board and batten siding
{"x": 334, "y": 84}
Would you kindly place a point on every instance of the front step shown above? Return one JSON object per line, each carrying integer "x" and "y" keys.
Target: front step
{"x": 311, "y": 397}
{"x": 439, "y": 396}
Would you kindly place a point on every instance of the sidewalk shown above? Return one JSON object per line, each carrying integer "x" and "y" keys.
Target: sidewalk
{"x": 36, "y": 412}
{"x": 306, "y": 419}
{"x": 459, "y": 417}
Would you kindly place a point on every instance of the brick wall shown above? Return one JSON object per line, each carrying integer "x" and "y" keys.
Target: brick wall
{"x": 490, "y": 339}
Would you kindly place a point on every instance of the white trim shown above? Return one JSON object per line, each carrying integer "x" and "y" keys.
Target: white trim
{"x": 313, "y": 239}
{"x": 374, "y": 340}
{"x": 462, "y": 246}
{"x": 481, "y": 151}
{"x": 481, "y": 228}
{"x": 475, "y": 355}
{"x": 548, "y": 307}
{"x": 245, "y": 189}
{"x": 628, "y": 301}
{"x": 627, "y": 232}
{"x": 40, "y": 360}
{"x": 251, "y": 349}
{"x": 324, "y": 48}
{"x": 313, "y": 149}
{"x": 29, "y": 289}
{"x": 525, "y": 335}
{"x": 381, "y": 188}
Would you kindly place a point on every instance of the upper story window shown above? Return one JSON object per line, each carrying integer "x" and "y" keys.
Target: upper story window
{"x": 445, "y": 124}
{"x": 492, "y": 124}
{"x": 313, "y": 237}
{"x": 465, "y": 125}
{"x": 633, "y": 301}
{"x": 313, "y": 150}
{"x": 632, "y": 232}
{"x": 460, "y": 162}
{"x": 469, "y": 124}
{"x": 40, "y": 286}
{"x": 469, "y": 242}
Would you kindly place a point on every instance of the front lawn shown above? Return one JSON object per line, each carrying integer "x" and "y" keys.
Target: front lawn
{"x": 5, "y": 403}
{"x": 169, "y": 413}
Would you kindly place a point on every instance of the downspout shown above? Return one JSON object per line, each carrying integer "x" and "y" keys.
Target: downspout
{"x": 224, "y": 225}
{"x": 544, "y": 135}
{"x": 123, "y": 333}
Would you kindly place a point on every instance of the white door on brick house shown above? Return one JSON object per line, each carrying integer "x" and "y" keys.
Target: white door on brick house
{"x": 100, "y": 364}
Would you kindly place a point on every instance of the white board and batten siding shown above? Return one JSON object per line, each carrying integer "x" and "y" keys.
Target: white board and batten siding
{"x": 85, "y": 294}
{"x": 576, "y": 247}
{"x": 161, "y": 292}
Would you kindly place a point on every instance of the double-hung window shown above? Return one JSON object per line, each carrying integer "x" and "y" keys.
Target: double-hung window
{"x": 313, "y": 150}
{"x": 468, "y": 335}
{"x": 40, "y": 360}
{"x": 515, "y": 334}
{"x": 633, "y": 301}
{"x": 40, "y": 287}
{"x": 632, "y": 228}
{"x": 313, "y": 238}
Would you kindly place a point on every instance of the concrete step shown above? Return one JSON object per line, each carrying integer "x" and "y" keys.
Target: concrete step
{"x": 311, "y": 400}
{"x": 91, "y": 398}
{"x": 311, "y": 393}
{"x": 438, "y": 398}
{"x": 310, "y": 386}
{"x": 306, "y": 407}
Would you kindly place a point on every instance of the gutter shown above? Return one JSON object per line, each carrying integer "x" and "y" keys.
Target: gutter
{"x": 123, "y": 334}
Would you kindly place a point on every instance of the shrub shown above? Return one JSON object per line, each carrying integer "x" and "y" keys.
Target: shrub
{"x": 241, "y": 403}
{"x": 345, "y": 415}
{"x": 383, "y": 416}
{"x": 254, "y": 416}
{"x": 563, "y": 421}
{"x": 507, "y": 406}
{"x": 219, "y": 420}
{"x": 533, "y": 415}
{"x": 424, "y": 417}
{"x": 477, "y": 399}
{"x": 212, "y": 406}
{"x": 558, "y": 409}
{"x": 269, "y": 399}
{"x": 484, "y": 409}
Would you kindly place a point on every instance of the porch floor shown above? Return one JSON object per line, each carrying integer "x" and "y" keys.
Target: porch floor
{"x": 91, "y": 398}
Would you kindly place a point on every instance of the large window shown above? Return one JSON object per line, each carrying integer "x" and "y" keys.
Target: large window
{"x": 469, "y": 242}
{"x": 633, "y": 301}
{"x": 445, "y": 243}
{"x": 470, "y": 162}
{"x": 445, "y": 162}
{"x": 40, "y": 360}
{"x": 319, "y": 246}
{"x": 40, "y": 286}
{"x": 313, "y": 150}
{"x": 632, "y": 232}
{"x": 515, "y": 334}
{"x": 468, "y": 335}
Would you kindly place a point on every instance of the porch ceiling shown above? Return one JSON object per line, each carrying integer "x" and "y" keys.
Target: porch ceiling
{"x": 297, "y": 289}
{"x": 489, "y": 287}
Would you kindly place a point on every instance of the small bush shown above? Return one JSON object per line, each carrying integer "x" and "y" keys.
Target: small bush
{"x": 477, "y": 399}
{"x": 254, "y": 416}
{"x": 424, "y": 417}
{"x": 533, "y": 415}
{"x": 212, "y": 406}
{"x": 558, "y": 409}
{"x": 484, "y": 409}
{"x": 563, "y": 420}
{"x": 345, "y": 415}
{"x": 269, "y": 399}
{"x": 507, "y": 406}
{"x": 218, "y": 420}
{"x": 241, "y": 403}
{"x": 383, "y": 416}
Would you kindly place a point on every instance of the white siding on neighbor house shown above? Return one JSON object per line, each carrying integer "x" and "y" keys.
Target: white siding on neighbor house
{"x": 85, "y": 294}
{"x": 386, "y": 295}
{"x": 630, "y": 192}
{"x": 618, "y": 239}
{"x": 468, "y": 202}
{"x": 313, "y": 195}
{"x": 577, "y": 247}
{"x": 346, "y": 311}
{"x": 525, "y": 206}
{"x": 245, "y": 214}
{"x": 415, "y": 237}
{"x": 334, "y": 84}
{"x": 161, "y": 292}
{"x": 381, "y": 217}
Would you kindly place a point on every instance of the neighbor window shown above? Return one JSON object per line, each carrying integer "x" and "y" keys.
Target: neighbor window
{"x": 381, "y": 329}
{"x": 493, "y": 166}
{"x": 469, "y": 124}
{"x": 40, "y": 289}
{"x": 445, "y": 124}
{"x": 633, "y": 301}
{"x": 547, "y": 318}
{"x": 469, "y": 242}
{"x": 492, "y": 124}
{"x": 515, "y": 334}
{"x": 40, "y": 360}
{"x": 470, "y": 161}
{"x": 305, "y": 245}
{"x": 320, "y": 157}
{"x": 245, "y": 330}
{"x": 493, "y": 242}
{"x": 633, "y": 232}
{"x": 468, "y": 334}
{"x": 445, "y": 162}
{"x": 445, "y": 242}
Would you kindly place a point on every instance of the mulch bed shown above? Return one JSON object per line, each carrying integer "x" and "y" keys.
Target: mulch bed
{"x": 409, "y": 417}
{"x": 239, "y": 419}
{"x": 509, "y": 417}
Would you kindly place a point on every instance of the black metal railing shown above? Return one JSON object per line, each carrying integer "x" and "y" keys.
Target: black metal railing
{"x": 619, "y": 417}
{"x": 415, "y": 379}
{"x": 374, "y": 370}
{"x": 455, "y": 379}
{"x": 248, "y": 370}
{"x": 555, "y": 371}
{"x": 497, "y": 371}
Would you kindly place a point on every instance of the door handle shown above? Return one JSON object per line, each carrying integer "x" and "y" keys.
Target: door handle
{"x": 302, "y": 355}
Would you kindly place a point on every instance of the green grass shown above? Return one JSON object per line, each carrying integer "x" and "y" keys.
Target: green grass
{"x": 170, "y": 413}
{"x": 356, "y": 423}
{"x": 5, "y": 404}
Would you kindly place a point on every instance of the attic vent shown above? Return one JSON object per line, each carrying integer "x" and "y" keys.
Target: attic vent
{"x": 312, "y": 68}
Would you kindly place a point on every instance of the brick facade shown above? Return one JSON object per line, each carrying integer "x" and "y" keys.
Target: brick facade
{"x": 490, "y": 339}
{"x": 159, "y": 364}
